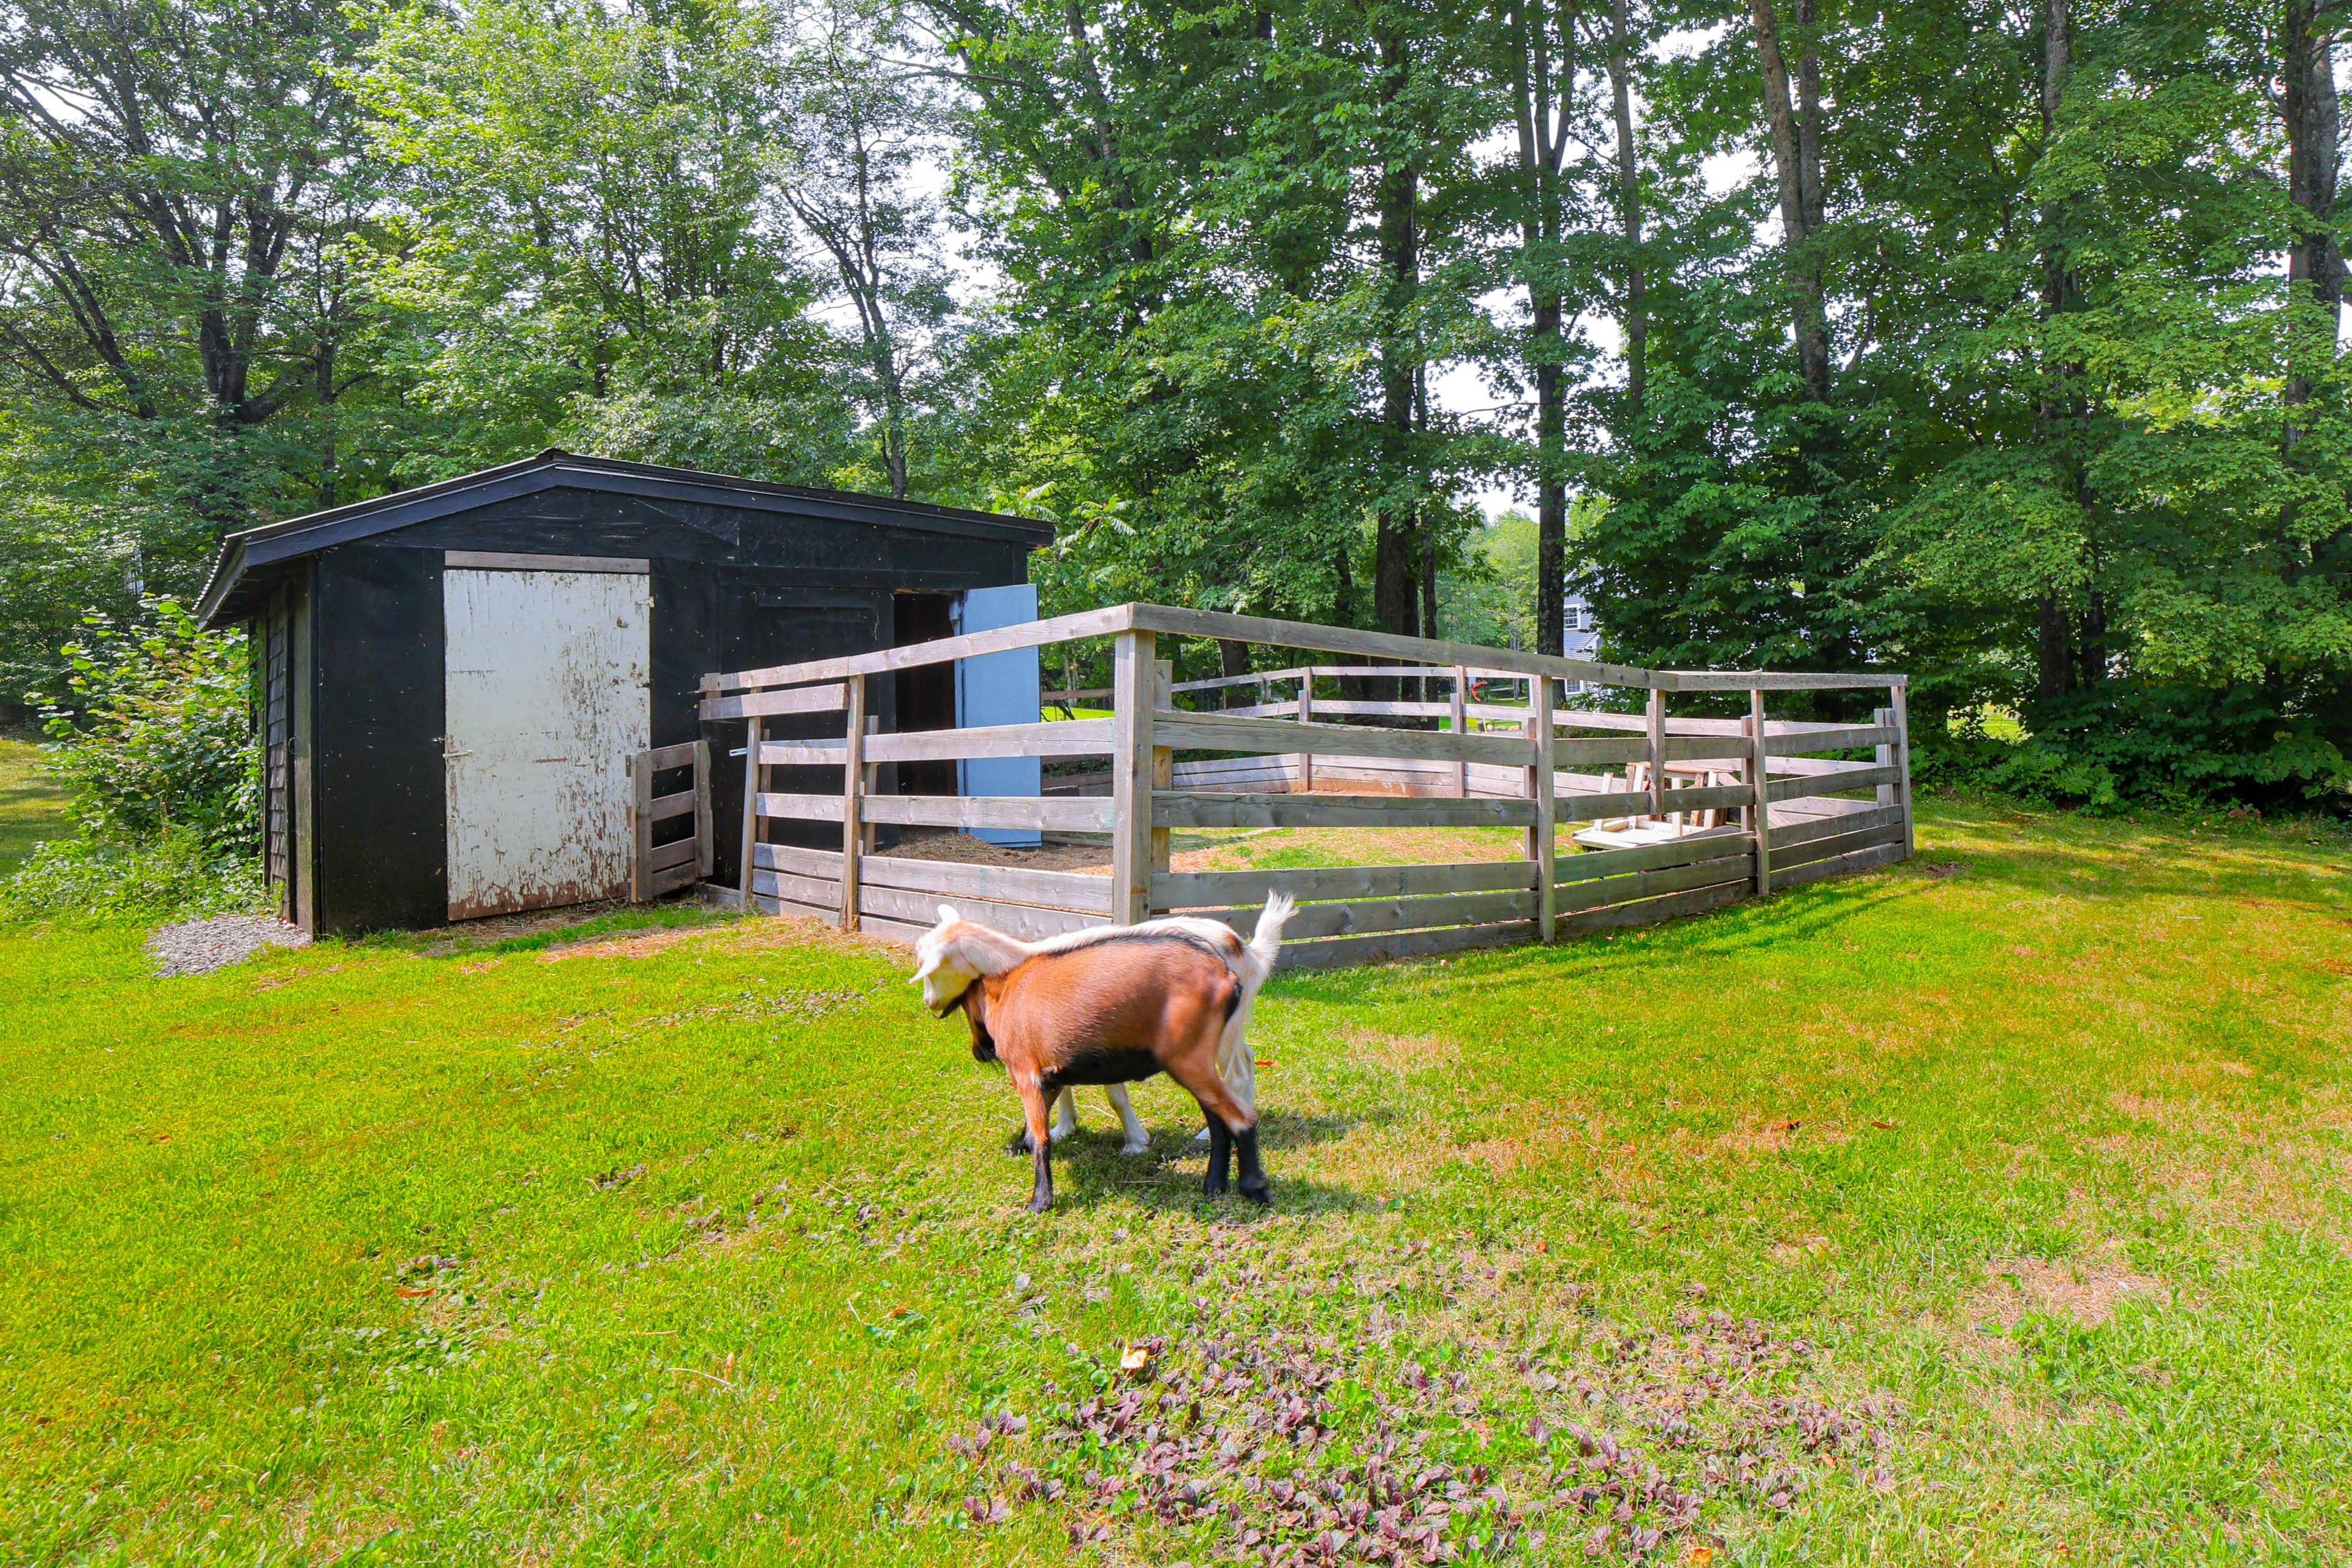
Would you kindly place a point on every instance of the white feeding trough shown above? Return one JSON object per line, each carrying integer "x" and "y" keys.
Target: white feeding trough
{"x": 1672, "y": 827}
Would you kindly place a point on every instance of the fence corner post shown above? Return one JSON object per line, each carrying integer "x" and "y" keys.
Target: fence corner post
{"x": 1134, "y": 679}
{"x": 853, "y": 795}
{"x": 1460, "y": 720}
{"x": 1901, "y": 695}
{"x": 753, "y": 735}
{"x": 1543, "y": 846}
{"x": 1657, "y": 727}
{"x": 704, "y": 850}
{"x": 1307, "y": 716}
{"x": 1163, "y": 768}
{"x": 1760, "y": 779}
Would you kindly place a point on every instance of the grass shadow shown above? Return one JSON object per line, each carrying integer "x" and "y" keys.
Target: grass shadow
{"x": 1088, "y": 1169}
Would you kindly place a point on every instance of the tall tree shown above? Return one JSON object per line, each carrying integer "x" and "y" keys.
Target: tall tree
{"x": 596, "y": 258}
{"x": 859, "y": 126}
{"x": 1541, "y": 43}
{"x": 1793, "y": 132}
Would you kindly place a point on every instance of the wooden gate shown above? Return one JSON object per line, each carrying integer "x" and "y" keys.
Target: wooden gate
{"x": 678, "y": 861}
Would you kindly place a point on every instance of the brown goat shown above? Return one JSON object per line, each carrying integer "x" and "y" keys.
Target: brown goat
{"x": 1110, "y": 1006}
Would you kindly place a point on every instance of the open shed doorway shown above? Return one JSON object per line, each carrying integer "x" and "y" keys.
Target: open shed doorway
{"x": 927, "y": 694}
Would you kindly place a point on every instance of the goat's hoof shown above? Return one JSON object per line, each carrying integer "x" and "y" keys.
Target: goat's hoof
{"x": 1143, "y": 1147}
{"x": 1039, "y": 1205}
{"x": 1019, "y": 1144}
{"x": 1260, "y": 1194}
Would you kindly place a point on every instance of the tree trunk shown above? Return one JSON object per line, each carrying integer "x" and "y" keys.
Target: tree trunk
{"x": 1800, "y": 184}
{"x": 2050, "y": 660}
{"x": 2092, "y": 637}
{"x": 2314, "y": 268}
{"x": 1542, "y": 109}
{"x": 1233, "y": 659}
{"x": 1396, "y": 548}
{"x": 1635, "y": 322}
{"x": 2059, "y": 410}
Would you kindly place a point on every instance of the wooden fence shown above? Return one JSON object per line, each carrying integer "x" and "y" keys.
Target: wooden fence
{"x": 1738, "y": 805}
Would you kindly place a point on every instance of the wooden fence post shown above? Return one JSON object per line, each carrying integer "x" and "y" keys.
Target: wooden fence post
{"x": 640, "y": 826}
{"x": 1461, "y": 727}
{"x": 1542, "y": 838}
{"x": 853, "y": 796}
{"x": 1759, "y": 778}
{"x": 873, "y": 771}
{"x": 1657, "y": 716}
{"x": 1307, "y": 716}
{"x": 753, "y": 736}
{"x": 1163, "y": 764}
{"x": 1883, "y": 756}
{"x": 702, "y": 824}
{"x": 1903, "y": 761}
{"x": 1134, "y": 674}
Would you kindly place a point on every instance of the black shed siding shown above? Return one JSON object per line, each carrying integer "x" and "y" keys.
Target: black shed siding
{"x": 380, "y": 843}
{"x": 784, "y": 577}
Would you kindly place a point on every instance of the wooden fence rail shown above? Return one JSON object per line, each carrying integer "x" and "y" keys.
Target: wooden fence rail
{"x": 1308, "y": 761}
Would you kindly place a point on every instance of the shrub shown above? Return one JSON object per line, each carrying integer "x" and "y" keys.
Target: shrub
{"x": 152, "y": 737}
{"x": 175, "y": 875}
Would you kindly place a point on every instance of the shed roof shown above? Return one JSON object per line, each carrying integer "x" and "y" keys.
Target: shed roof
{"x": 246, "y": 551}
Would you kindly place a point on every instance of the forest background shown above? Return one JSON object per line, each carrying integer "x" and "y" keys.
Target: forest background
{"x": 1998, "y": 343}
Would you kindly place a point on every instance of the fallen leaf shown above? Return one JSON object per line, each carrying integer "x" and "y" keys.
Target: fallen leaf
{"x": 1135, "y": 1359}
{"x": 1885, "y": 1126}
{"x": 1699, "y": 1553}
{"x": 412, "y": 1291}
{"x": 1788, "y": 1126}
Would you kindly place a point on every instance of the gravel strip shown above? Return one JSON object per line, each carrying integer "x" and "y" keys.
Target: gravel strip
{"x": 199, "y": 947}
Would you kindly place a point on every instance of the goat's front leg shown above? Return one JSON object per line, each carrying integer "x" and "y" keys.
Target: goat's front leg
{"x": 1034, "y": 1106}
{"x": 1066, "y": 1124}
{"x": 1137, "y": 1139}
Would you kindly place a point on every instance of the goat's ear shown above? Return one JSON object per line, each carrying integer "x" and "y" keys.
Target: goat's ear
{"x": 948, "y": 914}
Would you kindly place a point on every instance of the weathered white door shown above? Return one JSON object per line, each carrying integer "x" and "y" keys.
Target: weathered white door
{"x": 549, "y": 697}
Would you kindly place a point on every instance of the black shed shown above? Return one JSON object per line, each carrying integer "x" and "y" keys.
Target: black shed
{"x": 451, "y": 680}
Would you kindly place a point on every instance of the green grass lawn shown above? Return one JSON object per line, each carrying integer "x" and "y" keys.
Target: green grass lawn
{"x": 29, "y": 803}
{"x": 1992, "y": 1208}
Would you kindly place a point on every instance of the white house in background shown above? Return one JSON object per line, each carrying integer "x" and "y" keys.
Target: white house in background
{"x": 1579, "y": 638}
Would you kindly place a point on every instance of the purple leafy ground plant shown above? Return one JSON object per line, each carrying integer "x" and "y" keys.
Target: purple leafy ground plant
{"x": 1448, "y": 1435}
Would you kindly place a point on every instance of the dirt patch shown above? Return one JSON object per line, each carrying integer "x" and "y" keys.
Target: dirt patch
{"x": 627, "y": 944}
{"x": 1406, "y": 1054}
{"x": 465, "y": 935}
{"x": 962, "y": 848}
{"x": 2085, "y": 1290}
{"x": 1766, "y": 1135}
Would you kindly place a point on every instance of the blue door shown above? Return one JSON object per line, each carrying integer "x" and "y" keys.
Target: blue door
{"x": 999, "y": 688}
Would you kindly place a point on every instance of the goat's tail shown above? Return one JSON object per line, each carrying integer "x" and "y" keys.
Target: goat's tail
{"x": 1265, "y": 942}
{"x": 1235, "y": 1061}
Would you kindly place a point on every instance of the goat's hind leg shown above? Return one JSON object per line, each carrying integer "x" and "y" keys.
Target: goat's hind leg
{"x": 1232, "y": 1128}
{"x": 1137, "y": 1139}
